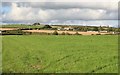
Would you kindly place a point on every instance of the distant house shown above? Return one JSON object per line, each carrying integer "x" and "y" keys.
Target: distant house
{"x": 65, "y": 28}
{"x": 113, "y": 32}
{"x": 60, "y": 28}
{"x": 68, "y": 28}
{"x": 103, "y": 31}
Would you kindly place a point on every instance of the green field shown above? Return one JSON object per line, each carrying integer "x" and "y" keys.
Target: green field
{"x": 60, "y": 54}
{"x": 21, "y": 26}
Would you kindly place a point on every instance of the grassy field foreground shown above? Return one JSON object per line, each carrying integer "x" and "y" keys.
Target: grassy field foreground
{"x": 60, "y": 54}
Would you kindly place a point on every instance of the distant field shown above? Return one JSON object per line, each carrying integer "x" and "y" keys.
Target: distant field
{"x": 60, "y": 54}
{"x": 21, "y": 26}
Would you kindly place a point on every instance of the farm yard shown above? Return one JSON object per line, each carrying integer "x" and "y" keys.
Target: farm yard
{"x": 60, "y": 54}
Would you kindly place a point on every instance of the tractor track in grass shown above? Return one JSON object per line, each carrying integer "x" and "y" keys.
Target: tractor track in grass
{"x": 77, "y": 60}
{"x": 102, "y": 67}
{"x": 58, "y": 60}
{"x": 52, "y": 63}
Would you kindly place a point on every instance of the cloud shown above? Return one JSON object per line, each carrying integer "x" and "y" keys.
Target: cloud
{"x": 60, "y": 1}
{"x": 81, "y": 5}
{"x": 56, "y": 12}
{"x": 24, "y": 14}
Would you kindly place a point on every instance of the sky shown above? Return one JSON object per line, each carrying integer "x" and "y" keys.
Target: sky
{"x": 72, "y": 12}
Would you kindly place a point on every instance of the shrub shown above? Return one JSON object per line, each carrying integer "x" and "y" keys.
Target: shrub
{"x": 30, "y": 33}
{"x": 98, "y": 34}
{"x": 36, "y": 24}
{"x": 63, "y": 33}
{"x": 80, "y": 34}
{"x": 55, "y": 33}
{"x": 13, "y": 32}
{"x": 48, "y": 33}
{"x": 53, "y": 28}
{"x": 47, "y": 27}
{"x": 76, "y": 33}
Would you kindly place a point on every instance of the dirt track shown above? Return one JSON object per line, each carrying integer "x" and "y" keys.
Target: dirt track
{"x": 8, "y": 28}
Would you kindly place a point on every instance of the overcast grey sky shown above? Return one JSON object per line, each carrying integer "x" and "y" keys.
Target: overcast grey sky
{"x": 80, "y": 13}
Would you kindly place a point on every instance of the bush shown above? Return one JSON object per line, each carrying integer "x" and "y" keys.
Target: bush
{"x": 76, "y": 33}
{"x": 98, "y": 34}
{"x": 63, "y": 33}
{"x": 30, "y": 33}
{"x": 53, "y": 29}
{"x": 55, "y": 33}
{"x": 48, "y": 33}
{"x": 13, "y": 32}
{"x": 36, "y": 24}
{"x": 47, "y": 27}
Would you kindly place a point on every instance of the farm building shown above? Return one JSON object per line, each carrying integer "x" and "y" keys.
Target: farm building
{"x": 65, "y": 28}
{"x": 103, "y": 31}
{"x": 68, "y": 28}
{"x": 0, "y": 31}
{"x": 60, "y": 28}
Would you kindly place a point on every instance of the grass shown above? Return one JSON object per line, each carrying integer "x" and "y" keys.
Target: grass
{"x": 60, "y": 54}
{"x": 21, "y": 26}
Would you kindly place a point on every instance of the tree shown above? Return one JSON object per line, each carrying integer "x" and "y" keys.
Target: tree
{"x": 95, "y": 29}
{"x": 100, "y": 28}
{"x": 47, "y": 26}
{"x": 76, "y": 33}
{"x": 109, "y": 29}
{"x": 63, "y": 33}
{"x": 85, "y": 28}
{"x": 36, "y": 24}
